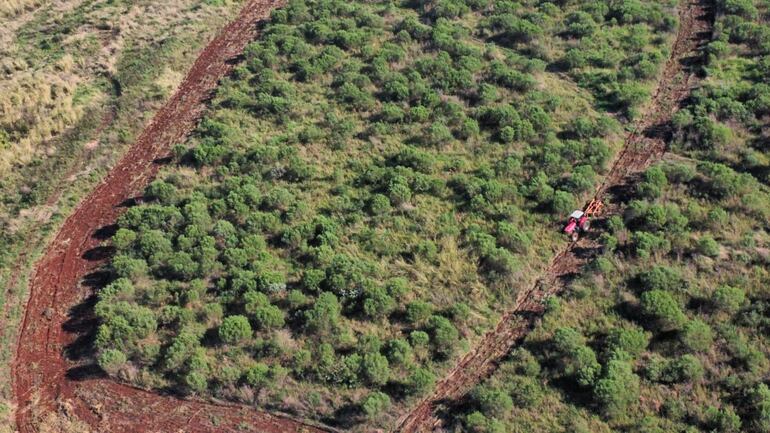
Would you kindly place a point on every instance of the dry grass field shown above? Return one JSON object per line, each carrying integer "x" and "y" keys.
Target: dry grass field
{"x": 78, "y": 80}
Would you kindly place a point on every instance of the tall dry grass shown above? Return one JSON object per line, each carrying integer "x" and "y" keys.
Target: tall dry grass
{"x": 35, "y": 106}
{"x": 13, "y": 7}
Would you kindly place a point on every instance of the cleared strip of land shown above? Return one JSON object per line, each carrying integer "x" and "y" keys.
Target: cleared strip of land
{"x": 44, "y": 381}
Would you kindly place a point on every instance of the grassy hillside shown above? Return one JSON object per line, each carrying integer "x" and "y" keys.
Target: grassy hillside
{"x": 369, "y": 191}
{"x": 667, "y": 331}
{"x": 78, "y": 79}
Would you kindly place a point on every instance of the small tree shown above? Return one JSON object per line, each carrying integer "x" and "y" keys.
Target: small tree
{"x": 257, "y": 376}
{"x": 374, "y": 404}
{"x": 235, "y": 329}
{"x": 697, "y": 336}
{"x": 663, "y": 308}
{"x": 493, "y": 402}
{"x": 708, "y": 246}
{"x": 123, "y": 238}
{"x": 398, "y": 351}
{"x": 444, "y": 335}
{"x": 728, "y": 299}
{"x": 377, "y": 303}
{"x": 268, "y": 317}
{"x": 631, "y": 340}
{"x": 617, "y": 389}
{"x": 420, "y": 380}
{"x": 111, "y": 361}
{"x": 563, "y": 202}
{"x": 375, "y": 369}
{"x": 723, "y": 420}
{"x": 324, "y": 316}
{"x": 759, "y": 403}
{"x": 417, "y": 312}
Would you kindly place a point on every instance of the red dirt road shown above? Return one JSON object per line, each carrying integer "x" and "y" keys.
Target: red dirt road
{"x": 40, "y": 380}
{"x": 641, "y": 148}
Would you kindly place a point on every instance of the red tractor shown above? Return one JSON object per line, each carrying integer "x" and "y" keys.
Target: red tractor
{"x": 579, "y": 220}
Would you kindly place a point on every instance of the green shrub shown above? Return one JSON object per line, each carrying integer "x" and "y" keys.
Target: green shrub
{"x": 728, "y": 299}
{"x": 491, "y": 401}
{"x": 235, "y": 329}
{"x": 418, "y": 312}
{"x": 398, "y": 351}
{"x": 257, "y": 375}
{"x": 375, "y": 403}
{"x": 697, "y": 336}
{"x": 196, "y": 382}
{"x": 563, "y": 203}
{"x": 708, "y": 246}
{"x": 617, "y": 389}
{"x": 444, "y": 335}
{"x": 526, "y": 392}
{"x": 380, "y": 204}
{"x": 375, "y": 369}
{"x": 420, "y": 380}
{"x": 662, "y": 307}
{"x": 324, "y": 316}
{"x": 630, "y": 340}
{"x": 111, "y": 361}
{"x": 723, "y": 420}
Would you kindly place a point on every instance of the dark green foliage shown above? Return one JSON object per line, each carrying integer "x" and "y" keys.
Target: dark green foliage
{"x": 723, "y": 420}
{"x": 324, "y": 316}
{"x": 616, "y": 389}
{"x": 491, "y": 401}
{"x": 632, "y": 341}
{"x": 663, "y": 308}
{"x": 728, "y": 299}
{"x": 420, "y": 380}
{"x": 375, "y": 403}
{"x": 375, "y": 369}
{"x": 111, "y": 360}
{"x": 257, "y": 375}
{"x": 697, "y": 336}
{"x": 444, "y": 335}
{"x": 234, "y": 329}
{"x": 577, "y": 359}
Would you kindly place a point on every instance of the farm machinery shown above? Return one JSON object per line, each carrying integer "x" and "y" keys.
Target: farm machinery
{"x": 580, "y": 220}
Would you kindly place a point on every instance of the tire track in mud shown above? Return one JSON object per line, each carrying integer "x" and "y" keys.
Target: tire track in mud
{"x": 43, "y": 380}
{"x": 642, "y": 146}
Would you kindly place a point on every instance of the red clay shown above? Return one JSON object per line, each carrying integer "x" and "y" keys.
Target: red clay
{"x": 40, "y": 379}
{"x": 641, "y": 148}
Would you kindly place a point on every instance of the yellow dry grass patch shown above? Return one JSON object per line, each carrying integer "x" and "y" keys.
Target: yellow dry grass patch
{"x": 34, "y": 107}
{"x": 13, "y": 7}
{"x": 37, "y": 102}
{"x": 169, "y": 80}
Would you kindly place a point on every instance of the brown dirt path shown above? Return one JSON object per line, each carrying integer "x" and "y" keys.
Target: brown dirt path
{"x": 40, "y": 372}
{"x": 642, "y": 146}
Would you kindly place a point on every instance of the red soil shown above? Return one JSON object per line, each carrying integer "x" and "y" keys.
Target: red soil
{"x": 41, "y": 381}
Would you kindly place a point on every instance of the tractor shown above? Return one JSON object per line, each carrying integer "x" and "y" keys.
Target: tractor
{"x": 579, "y": 221}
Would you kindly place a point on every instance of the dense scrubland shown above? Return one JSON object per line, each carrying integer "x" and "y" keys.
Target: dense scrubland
{"x": 369, "y": 191}
{"x": 667, "y": 330}
{"x": 78, "y": 79}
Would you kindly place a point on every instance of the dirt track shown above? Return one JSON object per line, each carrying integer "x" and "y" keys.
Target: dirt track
{"x": 643, "y": 146}
{"x": 43, "y": 380}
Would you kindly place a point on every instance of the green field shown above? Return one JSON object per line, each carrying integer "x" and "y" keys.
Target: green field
{"x": 368, "y": 193}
